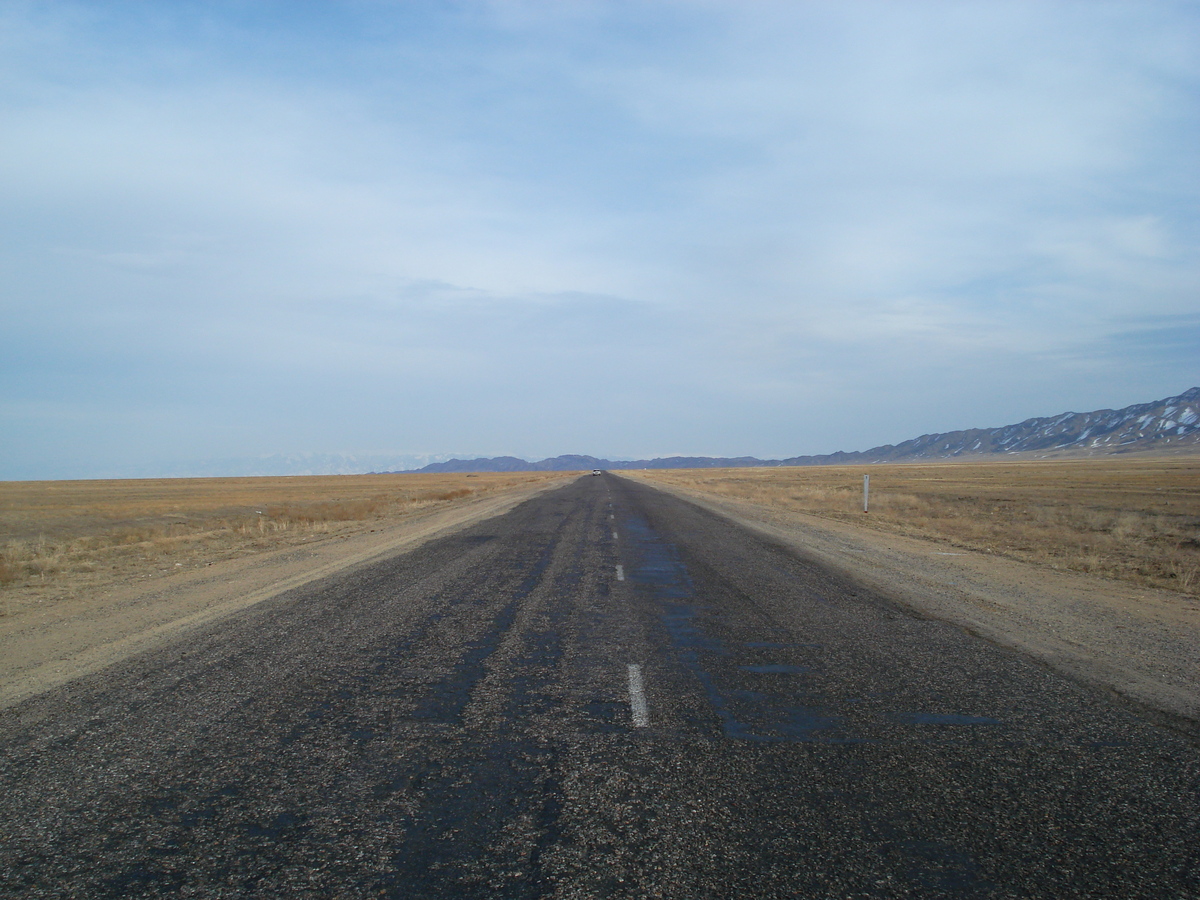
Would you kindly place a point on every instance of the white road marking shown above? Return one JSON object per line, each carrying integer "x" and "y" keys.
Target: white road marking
{"x": 614, "y": 535}
{"x": 620, "y": 573}
{"x": 638, "y": 706}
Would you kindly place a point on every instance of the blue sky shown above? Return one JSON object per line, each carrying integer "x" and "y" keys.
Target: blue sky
{"x": 627, "y": 229}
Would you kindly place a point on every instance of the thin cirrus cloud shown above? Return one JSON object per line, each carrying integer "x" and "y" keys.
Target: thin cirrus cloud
{"x": 624, "y": 229}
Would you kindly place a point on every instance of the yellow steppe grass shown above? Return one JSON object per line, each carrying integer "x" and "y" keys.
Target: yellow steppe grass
{"x": 59, "y": 537}
{"x": 1136, "y": 519}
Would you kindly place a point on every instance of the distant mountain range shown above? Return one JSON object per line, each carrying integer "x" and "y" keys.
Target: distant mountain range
{"x": 1160, "y": 425}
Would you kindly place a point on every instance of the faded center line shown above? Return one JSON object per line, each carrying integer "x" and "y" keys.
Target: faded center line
{"x": 638, "y": 706}
{"x": 620, "y": 573}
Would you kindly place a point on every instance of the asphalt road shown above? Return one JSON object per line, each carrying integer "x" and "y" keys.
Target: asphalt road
{"x": 605, "y": 693}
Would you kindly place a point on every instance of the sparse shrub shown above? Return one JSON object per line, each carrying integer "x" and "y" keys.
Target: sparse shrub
{"x": 453, "y": 495}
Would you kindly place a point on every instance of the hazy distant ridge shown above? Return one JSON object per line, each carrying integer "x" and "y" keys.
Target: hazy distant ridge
{"x": 1144, "y": 426}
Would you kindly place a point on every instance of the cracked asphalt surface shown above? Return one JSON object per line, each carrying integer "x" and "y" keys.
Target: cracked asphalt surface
{"x": 456, "y": 722}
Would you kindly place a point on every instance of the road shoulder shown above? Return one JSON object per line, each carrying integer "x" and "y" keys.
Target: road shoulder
{"x": 43, "y": 649}
{"x": 1139, "y": 644}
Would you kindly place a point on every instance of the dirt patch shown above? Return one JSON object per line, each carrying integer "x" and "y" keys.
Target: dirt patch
{"x": 1142, "y": 644}
{"x": 77, "y": 631}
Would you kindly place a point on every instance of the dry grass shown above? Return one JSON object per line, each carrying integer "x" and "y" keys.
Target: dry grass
{"x": 61, "y": 537}
{"x": 1135, "y": 519}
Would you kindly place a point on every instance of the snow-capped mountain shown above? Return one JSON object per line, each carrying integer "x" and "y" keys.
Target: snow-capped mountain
{"x": 1160, "y": 424}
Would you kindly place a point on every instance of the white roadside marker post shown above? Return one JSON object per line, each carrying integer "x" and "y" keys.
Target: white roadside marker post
{"x": 866, "y": 491}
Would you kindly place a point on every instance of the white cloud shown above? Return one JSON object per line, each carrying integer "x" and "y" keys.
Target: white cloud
{"x": 727, "y": 214}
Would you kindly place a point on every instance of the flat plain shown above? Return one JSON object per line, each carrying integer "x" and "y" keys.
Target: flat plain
{"x": 59, "y": 539}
